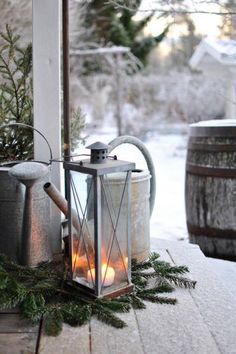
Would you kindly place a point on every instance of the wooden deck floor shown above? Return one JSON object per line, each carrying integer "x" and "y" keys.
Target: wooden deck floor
{"x": 203, "y": 321}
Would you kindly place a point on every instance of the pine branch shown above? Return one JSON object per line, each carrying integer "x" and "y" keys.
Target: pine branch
{"x": 145, "y": 275}
{"x": 115, "y": 305}
{"x": 181, "y": 281}
{"x": 53, "y": 321}
{"x": 76, "y": 315}
{"x": 139, "y": 280}
{"x": 12, "y": 295}
{"x": 33, "y": 306}
{"x": 164, "y": 268}
{"x": 153, "y": 256}
{"x": 161, "y": 288}
{"x": 108, "y": 317}
{"x": 15, "y": 97}
{"x": 140, "y": 265}
{"x": 136, "y": 302}
{"x": 159, "y": 299}
{"x": 3, "y": 281}
{"x": 45, "y": 292}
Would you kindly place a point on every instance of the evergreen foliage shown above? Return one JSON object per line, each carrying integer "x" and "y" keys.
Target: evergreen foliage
{"x": 16, "y": 103}
{"x": 77, "y": 126}
{"x": 45, "y": 292}
{"x": 117, "y": 25}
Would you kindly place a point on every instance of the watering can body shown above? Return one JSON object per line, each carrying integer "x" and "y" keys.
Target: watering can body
{"x": 15, "y": 217}
{"x": 12, "y": 202}
{"x": 143, "y": 186}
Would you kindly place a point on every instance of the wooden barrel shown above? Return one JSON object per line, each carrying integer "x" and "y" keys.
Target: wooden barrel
{"x": 210, "y": 187}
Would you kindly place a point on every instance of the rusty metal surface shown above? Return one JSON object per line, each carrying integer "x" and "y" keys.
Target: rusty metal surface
{"x": 211, "y": 231}
{"x": 194, "y": 146}
{"x": 210, "y": 171}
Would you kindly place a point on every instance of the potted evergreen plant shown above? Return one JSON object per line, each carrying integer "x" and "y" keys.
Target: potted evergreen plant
{"x": 16, "y": 102}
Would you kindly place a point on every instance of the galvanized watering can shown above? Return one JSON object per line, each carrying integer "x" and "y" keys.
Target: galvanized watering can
{"x": 142, "y": 198}
{"x": 25, "y": 208}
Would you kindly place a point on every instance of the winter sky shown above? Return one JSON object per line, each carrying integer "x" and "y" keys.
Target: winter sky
{"x": 206, "y": 24}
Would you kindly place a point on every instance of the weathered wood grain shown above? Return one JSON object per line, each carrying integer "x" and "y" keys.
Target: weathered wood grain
{"x": 108, "y": 340}
{"x": 13, "y": 323}
{"x": 203, "y": 321}
{"x": 70, "y": 341}
{"x": 210, "y": 195}
{"x": 215, "y": 303}
{"x": 175, "y": 329}
{"x": 18, "y": 343}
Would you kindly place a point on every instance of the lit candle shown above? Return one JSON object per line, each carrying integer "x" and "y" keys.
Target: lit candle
{"x": 110, "y": 275}
{"x": 79, "y": 264}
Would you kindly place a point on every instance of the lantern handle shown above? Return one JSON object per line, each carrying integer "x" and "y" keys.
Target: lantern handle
{"x": 128, "y": 139}
{"x": 23, "y": 125}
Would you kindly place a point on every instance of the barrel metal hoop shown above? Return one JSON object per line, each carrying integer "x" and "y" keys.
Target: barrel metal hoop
{"x": 211, "y": 232}
{"x": 211, "y": 147}
{"x": 211, "y": 171}
{"x": 211, "y": 131}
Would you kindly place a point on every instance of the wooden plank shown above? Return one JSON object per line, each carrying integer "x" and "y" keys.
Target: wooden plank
{"x": 70, "y": 341}
{"x": 108, "y": 340}
{"x": 226, "y": 270}
{"x": 15, "y": 310}
{"x": 18, "y": 343}
{"x": 215, "y": 303}
{"x": 13, "y": 323}
{"x": 178, "y": 329}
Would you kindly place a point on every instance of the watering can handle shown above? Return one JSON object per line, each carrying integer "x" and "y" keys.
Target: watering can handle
{"x": 127, "y": 139}
{"x": 23, "y": 125}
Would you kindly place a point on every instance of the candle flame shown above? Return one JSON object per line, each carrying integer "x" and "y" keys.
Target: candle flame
{"x": 108, "y": 275}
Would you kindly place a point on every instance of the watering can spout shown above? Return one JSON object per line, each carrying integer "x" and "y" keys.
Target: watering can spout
{"x": 62, "y": 204}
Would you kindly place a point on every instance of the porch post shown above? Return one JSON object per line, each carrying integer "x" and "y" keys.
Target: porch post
{"x": 46, "y": 89}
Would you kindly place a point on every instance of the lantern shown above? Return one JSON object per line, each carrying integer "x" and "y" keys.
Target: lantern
{"x": 99, "y": 223}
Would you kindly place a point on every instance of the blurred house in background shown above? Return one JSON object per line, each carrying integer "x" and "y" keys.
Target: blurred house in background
{"x": 217, "y": 58}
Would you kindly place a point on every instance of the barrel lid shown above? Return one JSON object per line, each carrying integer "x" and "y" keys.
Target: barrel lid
{"x": 215, "y": 128}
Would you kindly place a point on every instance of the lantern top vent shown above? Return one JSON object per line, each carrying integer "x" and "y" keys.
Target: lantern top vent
{"x": 99, "y": 152}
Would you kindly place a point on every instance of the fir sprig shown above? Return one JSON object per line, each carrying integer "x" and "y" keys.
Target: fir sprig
{"x": 53, "y": 322}
{"x": 108, "y": 317}
{"x": 16, "y": 101}
{"x": 45, "y": 292}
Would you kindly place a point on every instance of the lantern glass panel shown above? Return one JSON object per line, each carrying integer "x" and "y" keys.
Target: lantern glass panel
{"x": 82, "y": 227}
{"x": 99, "y": 229}
{"x": 114, "y": 232}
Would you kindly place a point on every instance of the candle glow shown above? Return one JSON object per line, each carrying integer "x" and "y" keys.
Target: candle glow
{"x": 108, "y": 271}
{"x": 79, "y": 264}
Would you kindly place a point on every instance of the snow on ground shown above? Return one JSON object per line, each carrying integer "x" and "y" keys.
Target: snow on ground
{"x": 168, "y": 152}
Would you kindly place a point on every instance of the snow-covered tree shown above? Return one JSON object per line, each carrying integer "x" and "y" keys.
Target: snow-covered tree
{"x": 118, "y": 26}
{"x": 228, "y": 26}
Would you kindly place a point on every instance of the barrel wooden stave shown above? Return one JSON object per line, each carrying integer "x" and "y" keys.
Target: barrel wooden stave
{"x": 210, "y": 194}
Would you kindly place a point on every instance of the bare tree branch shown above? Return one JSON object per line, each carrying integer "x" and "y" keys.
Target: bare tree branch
{"x": 172, "y": 10}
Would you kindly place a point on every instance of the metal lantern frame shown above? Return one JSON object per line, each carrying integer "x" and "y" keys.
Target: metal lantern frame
{"x": 97, "y": 170}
